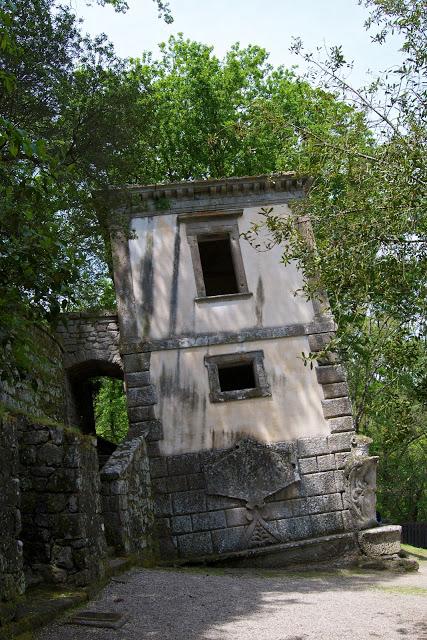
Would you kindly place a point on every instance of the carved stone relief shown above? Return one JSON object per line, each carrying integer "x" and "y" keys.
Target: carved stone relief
{"x": 251, "y": 471}
{"x": 360, "y": 494}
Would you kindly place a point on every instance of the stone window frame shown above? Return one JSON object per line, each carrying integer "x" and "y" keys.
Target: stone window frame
{"x": 208, "y": 226}
{"x": 262, "y": 389}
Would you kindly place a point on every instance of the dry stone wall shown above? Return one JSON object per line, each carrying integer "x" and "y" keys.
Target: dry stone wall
{"x": 89, "y": 337}
{"x": 12, "y": 582}
{"x": 62, "y": 529}
{"x": 49, "y": 397}
{"x": 126, "y": 497}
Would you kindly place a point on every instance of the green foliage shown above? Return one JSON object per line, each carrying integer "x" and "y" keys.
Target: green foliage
{"x": 111, "y": 421}
{"x": 66, "y": 117}
{"x": 367, "y": 205}
{"x": 214, "y": 118}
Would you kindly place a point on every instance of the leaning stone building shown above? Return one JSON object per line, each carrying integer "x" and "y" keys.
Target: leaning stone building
{"x": 248, "y": 448}
{"x": 236, "y": 451}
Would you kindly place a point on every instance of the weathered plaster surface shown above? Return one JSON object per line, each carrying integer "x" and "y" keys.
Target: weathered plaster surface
{"x": 165, "y": 289}
{"x": 192, "y": 423}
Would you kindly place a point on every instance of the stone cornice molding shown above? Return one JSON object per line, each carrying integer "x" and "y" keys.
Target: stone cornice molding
{"x": 206, "y": 195}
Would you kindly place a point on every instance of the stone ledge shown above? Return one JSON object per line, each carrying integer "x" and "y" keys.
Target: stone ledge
{"x": 329, "y": 547}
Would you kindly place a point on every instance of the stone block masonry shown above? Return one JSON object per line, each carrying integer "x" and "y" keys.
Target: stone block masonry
{"x": 191, "y": 522}
{"x": 62, "y": 530}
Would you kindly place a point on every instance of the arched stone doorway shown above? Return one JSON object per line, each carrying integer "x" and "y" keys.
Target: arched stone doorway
{"x": 84, "y": 381}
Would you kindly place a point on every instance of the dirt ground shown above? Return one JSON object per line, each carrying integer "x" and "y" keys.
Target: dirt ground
{"x": 209, "y": 604}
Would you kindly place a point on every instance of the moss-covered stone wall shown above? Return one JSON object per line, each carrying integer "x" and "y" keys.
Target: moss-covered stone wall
{"x": 12, "y": 582}
{"x": 62, "y": 528}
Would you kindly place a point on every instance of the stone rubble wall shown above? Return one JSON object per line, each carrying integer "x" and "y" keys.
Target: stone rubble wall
{"x": 126, "y": 497}
{"x": 49, "y": 398}
{"x": 89, "y": 337}
{"x": 62, "y": 529}
{"x": 12, "y": 583}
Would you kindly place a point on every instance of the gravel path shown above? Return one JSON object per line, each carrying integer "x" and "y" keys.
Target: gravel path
{"x": 247, "y": 604}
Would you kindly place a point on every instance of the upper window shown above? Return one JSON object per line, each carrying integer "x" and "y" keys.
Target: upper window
{"x": 219, "y": 276}
{"x": 215, "y": 251}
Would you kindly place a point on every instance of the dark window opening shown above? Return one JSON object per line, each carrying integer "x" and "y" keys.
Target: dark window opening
{"x": 236, "y": 377}
{"x": 217, "y": 266}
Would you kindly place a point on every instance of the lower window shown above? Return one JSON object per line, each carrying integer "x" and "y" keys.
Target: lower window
{"x": 237, "y": 376}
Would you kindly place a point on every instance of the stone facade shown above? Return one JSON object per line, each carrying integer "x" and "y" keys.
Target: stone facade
{"x": 126, "y": 497}
{"x": 193, "y": 521}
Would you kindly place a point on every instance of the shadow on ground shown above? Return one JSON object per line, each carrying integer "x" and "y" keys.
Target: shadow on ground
{"x": 214, "y": 604}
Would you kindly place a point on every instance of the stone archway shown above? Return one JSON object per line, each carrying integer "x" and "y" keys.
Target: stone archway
{"x": 81, "y": 411}
{"x": 90, "y": 350}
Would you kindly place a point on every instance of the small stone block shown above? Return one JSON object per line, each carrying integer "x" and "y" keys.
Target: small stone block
{"x": 176, "y": 483}
{"x": 294, "y": 528}
{"x": 277, "y": 510}
{"x": 158, "y": 467}
{"x": 163, "y": 505}
{"x": 343, "y": 423}
{"x": 141, "y": 396}
{"x": 189, "y": 502}
{"x": 330, "y": 373}
{"x": 308, "y": 447}
{"x": 380, "y": 541}
{"x": 308, "y": 465}
{"x": 335, "y": 390}
{"x": 140, "y": 414}
{"x": 181, "y": 524}
{"x": 326, "y": 463}
{"x": 325, "y": 523}
{"x": 195, "y": 481}
{"x": 319, "y": 341}
{"x": 135, "y": 362}
{"x": 336, "y": 407}
{"x": 187, "y": 463}
{"x": 227, "y": 539}
{"x": 195, "y": 544}
{"x": 137, "y": 379}
{"x": 324, "y": 504}
{"x": 341, "y": 459}
{"x": 208, "y": 521}
{"x": 101, "y": 619}
{"x": 340, "y": 442}
{"x": 319, "y": 483}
